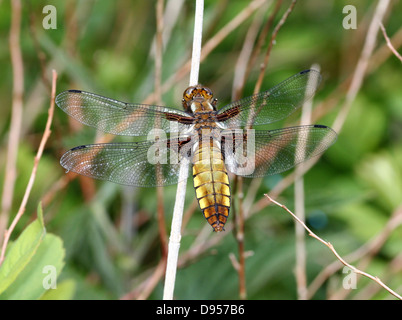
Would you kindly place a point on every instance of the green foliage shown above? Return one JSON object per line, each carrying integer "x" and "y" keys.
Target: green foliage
{"x": 22, "y": 252}
{"x": 31, "y": 256}
{"x": 382, "y": 173}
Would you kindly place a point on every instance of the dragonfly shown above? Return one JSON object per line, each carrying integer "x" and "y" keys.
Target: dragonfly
{"x": 213, "y": 141}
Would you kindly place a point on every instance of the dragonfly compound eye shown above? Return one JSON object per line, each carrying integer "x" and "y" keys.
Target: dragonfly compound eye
{"x": 189, "y": 93}
{"x": 198, "y": 91}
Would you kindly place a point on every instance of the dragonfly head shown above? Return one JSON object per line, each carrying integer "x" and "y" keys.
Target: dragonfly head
{"x": 197, "y": 98}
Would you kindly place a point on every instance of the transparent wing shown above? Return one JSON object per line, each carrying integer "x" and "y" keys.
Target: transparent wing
{"x": 272, "y": 105}
{"x": 118, "y": 117}
{"x": 142, "y": 164}
{"x": 267, "y": 152}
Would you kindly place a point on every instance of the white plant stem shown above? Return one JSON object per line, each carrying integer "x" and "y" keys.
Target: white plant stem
{"x": 175, "y": 233}
{"x": 300, "y": 269}
{"x": 196, "y": 55}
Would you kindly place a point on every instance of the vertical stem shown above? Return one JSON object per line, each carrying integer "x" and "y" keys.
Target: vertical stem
{"x": 31, "y": 181}
{"x": 362, "y": 64}
{"x": 300, "y": 269}
{"x": 196, "y": 55}
{"x": 240, "y": 240}
{"x": 158, "y": 95}
{"x": 16, "y": 115}
{"x": 175, "y": 233}
{"x": 271, "y": 44}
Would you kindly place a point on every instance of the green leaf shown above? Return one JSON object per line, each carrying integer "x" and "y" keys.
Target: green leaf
{"x": 351, "y": 147}
{"x": 383, "y": 173}
{"x": 64, "y": 291}
{"x": 22, "y": 251}
{"x": 40, "y": 273}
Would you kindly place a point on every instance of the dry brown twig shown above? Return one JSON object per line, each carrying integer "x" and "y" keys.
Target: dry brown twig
{"x": 246, "y": 56}
{"x": 383, "y": 52}
{"x": 31, "y": 181}
{"x": 367, "y": 250}
{"x": 238, "y": 226}
{"x": 360, "y": 71}
{"x": 389, "y": 44}
{"x": 331, "y": 247}
{"x": 271, "y": 44}
{"x": 300, "y": 268}
{"x": 16, "y": 115}
{"x": 239, "y": 80}
{"x": 260, "y": 42}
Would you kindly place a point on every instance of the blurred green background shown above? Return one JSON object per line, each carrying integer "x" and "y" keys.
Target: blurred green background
{"x": 110, "y": 232}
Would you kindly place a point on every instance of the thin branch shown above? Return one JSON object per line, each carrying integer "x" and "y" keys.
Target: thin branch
{"x": 261, "y": 39}
{"x": 271, "y": 44}
{"x": 158, "y": 94}
{"x": 39, "y": 52}
{"x": 175, "y": 233}
{"x": 239, "y": 214}
{"x": 149, "y": 280}
{"x": 152, "y": 281}
{"x": 31, "y": 181}
{"x": 16, "y": 115}
{"x": 389, "y": 44}
{"x": 193, "y": 207}
{"x": 240, "y": 70}
{"x": 300, "y": 270}
{"x": 331, "y": 247}
{"x": 372, "y": 288}
{"x": 383, "y": 52}
{"x": 238, "y": 230}
{"x": 362, "y": 64}
{"x": 158, "y": 51}
{"x": 368, "y": 250}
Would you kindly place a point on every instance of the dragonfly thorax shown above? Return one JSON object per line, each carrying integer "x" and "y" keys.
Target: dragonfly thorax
{"x": 198, "y": 99}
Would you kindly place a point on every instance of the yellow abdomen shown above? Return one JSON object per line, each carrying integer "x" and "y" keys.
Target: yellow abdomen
{"x": 211, "y": 184}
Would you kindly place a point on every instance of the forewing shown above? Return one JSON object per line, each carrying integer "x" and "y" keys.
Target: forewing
{"x": 272, "y": 105}
{"x": 279, "y": 150}
{"x": 142, "y": 164}
{"x": 118, "y": 117}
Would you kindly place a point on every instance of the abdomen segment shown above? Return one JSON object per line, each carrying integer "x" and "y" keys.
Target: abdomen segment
{"x": 211, "y": 185}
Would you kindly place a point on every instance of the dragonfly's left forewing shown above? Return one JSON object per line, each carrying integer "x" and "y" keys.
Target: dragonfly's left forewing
{"x": 121, "y": 118}
{"x": 142, "y": 164}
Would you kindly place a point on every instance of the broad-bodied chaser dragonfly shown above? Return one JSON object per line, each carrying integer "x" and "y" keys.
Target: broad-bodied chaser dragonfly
{"x": 214, "y": 141}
